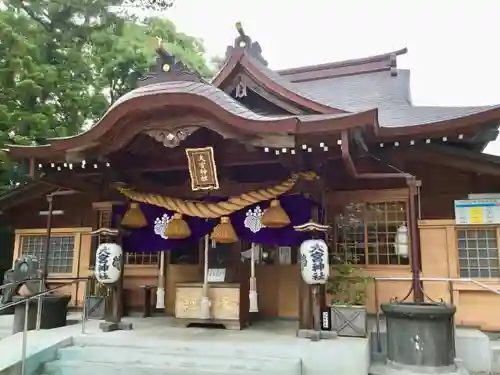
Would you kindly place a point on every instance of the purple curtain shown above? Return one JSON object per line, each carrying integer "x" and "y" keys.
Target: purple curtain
{"x": 151, "y": 238}
{"x": 245, "y": 222}
{"x": 296, "y": 206}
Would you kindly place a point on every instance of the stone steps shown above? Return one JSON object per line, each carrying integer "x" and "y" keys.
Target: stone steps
{"x": 5, "y": 332}
{"x": 96, "y": 368}
{"x": 123, "y": 360}
{"x": 495, "y": 356}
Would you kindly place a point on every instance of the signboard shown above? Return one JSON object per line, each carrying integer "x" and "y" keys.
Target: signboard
{"x": 216, "y": 275}
{"x": 477, "y": 211}
{"x": 326, "y": 319}
{"x": 202, "y": 168}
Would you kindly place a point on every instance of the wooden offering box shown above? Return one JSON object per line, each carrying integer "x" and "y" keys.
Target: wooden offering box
{"x": 229, "y": 304}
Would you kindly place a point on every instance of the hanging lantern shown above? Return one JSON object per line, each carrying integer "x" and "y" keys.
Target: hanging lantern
{"x": 134, "y": 217}
{"x": 314, "y": 264}
{"x": 108, "y": 263}
{"x": 401, "y": 243}
{"x": 224, "y": 232}
{"x": 177, "y": 228}
{"x": 275, "y": 216}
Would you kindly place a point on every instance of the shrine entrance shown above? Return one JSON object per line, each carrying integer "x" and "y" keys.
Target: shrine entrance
{"x": 277, "y": 273}
{"x": 278, "y": 281}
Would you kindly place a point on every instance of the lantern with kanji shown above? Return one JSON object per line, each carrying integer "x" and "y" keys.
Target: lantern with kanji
{"x": 314, "y": 264}
{"x": 108, "y": 263}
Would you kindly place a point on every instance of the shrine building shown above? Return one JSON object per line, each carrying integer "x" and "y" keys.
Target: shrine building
{"x": 182, "y": 165}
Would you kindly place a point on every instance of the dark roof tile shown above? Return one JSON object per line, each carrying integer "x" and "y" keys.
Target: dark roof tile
{"x": 391, "y": 95}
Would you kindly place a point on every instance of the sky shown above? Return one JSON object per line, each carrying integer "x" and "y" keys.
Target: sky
{"x": 453, "y": 46}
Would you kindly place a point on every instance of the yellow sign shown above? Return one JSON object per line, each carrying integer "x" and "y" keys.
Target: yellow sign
{"x": 476, "y": 215}
{"x": 202, "y": 168}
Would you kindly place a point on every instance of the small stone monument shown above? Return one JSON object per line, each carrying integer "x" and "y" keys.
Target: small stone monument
{"x": 25, "y": 280}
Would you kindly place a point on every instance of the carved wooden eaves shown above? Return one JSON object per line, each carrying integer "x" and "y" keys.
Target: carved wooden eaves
{"x": 171, "y": 138}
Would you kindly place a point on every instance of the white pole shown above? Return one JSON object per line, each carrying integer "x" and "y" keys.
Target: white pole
{"x": 205, "y": 301}
{"x": 254, "y": 307}
{"x": 160, "y": 290}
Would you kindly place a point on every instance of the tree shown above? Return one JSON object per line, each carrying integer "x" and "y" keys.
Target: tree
{"x": 148, "y": 4}
{"x": 62, "y": 63}
{"x": 218, "y": 62}
{"x": 120, "y": 60}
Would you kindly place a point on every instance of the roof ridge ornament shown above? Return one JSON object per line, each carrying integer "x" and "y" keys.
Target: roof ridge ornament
{"x": 168, "y": 69}
{"x": 243, "y": 41}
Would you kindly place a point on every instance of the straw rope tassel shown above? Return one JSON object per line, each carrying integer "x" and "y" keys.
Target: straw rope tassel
{"x": 254, "y": 306}
{"x": 205, "y": 301}
{"x": 212, "y": 210}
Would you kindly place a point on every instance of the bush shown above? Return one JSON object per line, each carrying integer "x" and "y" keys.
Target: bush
{"x": 347, "y": 285}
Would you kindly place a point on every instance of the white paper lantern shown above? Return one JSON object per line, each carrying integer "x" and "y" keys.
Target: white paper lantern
{"x": 108, "y": 263}
{"x": 402, "y": 241}
{"x": 314, "y": 264}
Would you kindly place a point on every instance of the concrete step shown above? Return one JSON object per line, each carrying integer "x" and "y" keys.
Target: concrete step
{"x": 495, "y": 356}
{"x": 213, "y": 361}
{"x": 5, "y": 332}
{"x": 80, "y": 368}
{"x": 221, "y": 348}
{"x": 96, "y": 360}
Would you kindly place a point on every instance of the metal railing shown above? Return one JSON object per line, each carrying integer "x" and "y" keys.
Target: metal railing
{"x": 5, "y": 286}
{"x": 449, "y": 280}
{"x": 38, "y": 296}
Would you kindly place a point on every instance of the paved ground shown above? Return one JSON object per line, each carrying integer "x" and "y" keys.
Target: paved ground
{"x": 163, "y": 328}
{"x": 276, "y": 337}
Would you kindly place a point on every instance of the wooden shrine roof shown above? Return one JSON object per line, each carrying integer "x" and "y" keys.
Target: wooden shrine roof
{"x": 352, "y": 86}
{"x": 369, "y": 93}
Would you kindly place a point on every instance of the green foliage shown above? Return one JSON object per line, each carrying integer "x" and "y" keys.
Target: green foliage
{"x": 217, "y": 62}
{"x": 155, "y": 5}
{"x": 347, "y": 285}
{"x": 63, "y": 62}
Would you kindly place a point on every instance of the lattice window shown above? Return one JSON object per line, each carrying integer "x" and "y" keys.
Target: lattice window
{"x": 366, "y": 233}
{"x": 61, "y": 251}
{"x": 142, "y": 259}
{"x": 478, "y": 252}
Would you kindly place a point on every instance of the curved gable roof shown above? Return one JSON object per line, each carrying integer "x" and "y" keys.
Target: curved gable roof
{"x": 194, "y": 96}
{"x": 239, "y": 58}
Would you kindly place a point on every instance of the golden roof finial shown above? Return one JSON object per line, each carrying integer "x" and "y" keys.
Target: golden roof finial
{"x": 239, "y": 28}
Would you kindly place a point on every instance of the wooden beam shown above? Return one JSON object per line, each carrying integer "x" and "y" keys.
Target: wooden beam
{"x": 72, "y": 182}
{"x": 271, "y": 98}
{"x": 15, "y": 198}
{"x": 456, "y": 162}
{"x": 164, "y": 166}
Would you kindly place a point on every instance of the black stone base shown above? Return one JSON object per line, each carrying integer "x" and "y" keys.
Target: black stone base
{"x": 420, "y": 336}
{"x": 7, "y": 311}
{"x": 54, "y": 312}
{"x": 110, "y": 326}
{"x": 391, "y": 368}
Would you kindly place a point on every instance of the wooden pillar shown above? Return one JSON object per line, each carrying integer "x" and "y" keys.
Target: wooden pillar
{"x": 305, "y": 306}
{"x": 415, "y": 250}
{"x": 308, "y": 303}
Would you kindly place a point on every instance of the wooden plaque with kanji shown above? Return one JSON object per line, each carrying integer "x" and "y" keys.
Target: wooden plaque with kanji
{"x": 202, "y": 168}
